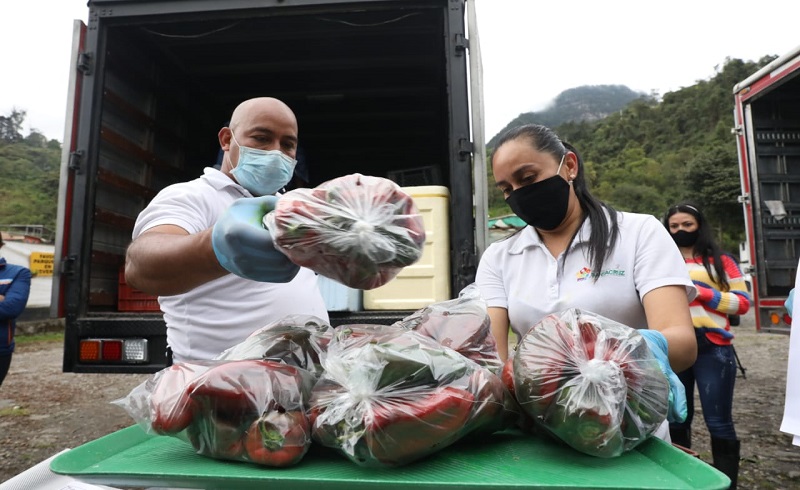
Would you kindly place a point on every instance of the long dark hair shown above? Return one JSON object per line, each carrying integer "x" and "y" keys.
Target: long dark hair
{"x": 705, "y": 246}
{"x": 603, "y": 236}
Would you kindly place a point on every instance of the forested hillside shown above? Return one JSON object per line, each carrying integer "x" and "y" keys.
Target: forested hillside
{"x": 29, "y": 166}
{"x": 586, "y": 103}
{"x": 655, "y": 153}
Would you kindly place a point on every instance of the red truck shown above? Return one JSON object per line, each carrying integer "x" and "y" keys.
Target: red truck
{"x": 767, "y": 130}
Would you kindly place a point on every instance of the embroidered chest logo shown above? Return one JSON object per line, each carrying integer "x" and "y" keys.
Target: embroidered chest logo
{"x": 587, "y": 273}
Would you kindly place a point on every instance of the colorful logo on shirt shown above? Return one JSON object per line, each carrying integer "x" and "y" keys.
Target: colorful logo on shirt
{"x": 586, "y": 273}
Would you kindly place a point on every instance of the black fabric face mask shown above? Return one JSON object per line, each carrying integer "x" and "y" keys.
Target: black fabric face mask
{"x": 685, "y": 238}
{"x": 542, "y": 204}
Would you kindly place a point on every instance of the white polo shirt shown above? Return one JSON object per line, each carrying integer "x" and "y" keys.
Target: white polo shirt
{"x": 520, "y": 274}
{"x": 217, "y": 315}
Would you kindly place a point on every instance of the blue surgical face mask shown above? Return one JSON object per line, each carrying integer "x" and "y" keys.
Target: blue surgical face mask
{"x": 262, "y": 172}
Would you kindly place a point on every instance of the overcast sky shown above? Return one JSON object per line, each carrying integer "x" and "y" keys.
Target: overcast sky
{"x": 532, "y": 49}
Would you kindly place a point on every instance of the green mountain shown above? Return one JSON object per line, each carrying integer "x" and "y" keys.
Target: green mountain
{"x": 585, "y": 103}
{"x": 654, "y": 153}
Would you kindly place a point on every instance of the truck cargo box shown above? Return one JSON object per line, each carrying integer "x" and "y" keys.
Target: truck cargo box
{"x": 379, "y": 87}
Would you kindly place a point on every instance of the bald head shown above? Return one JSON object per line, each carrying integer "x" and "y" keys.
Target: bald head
{"x": 263, "y": 123}
{"x": 253, "y": 108}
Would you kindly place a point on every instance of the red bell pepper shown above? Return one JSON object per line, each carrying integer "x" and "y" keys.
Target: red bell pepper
{"x": 278, "y": 438}
{"x": 404, "y": 430}
{"x": 489, "y": 409}
{"x": 171, "y": 408}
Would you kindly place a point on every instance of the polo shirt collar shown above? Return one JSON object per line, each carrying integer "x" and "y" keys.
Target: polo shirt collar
{"x": 220, "y": 181}
{"x": 528, "y": 237}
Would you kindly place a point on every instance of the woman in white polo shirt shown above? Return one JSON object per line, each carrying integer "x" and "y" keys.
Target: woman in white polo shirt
{"x": 578, "y": 252}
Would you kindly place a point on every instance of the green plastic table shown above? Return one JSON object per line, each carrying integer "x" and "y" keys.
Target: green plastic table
{"x": 507, "y": 460}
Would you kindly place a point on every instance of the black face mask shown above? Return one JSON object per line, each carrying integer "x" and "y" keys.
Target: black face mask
{"x": 685, "y": 238}
{"x": 542, "y": 204}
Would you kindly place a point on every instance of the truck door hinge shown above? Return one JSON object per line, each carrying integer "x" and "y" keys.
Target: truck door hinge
{"x": 749, "y": 269}
{"x": 464, "y": 148}
{"x": 68, "y": 265}
{"x": 75, "y": 160}
{"x": 85, "y": 63}
{"x": 744, "y": 199}
{"x": 738, "y": 130}
{"x": 461, "y": 43}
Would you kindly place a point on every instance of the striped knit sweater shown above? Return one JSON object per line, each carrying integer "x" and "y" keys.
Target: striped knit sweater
{"x": 711, "y": 307}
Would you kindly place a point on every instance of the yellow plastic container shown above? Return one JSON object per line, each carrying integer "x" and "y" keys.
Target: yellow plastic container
{"x": 428, "y": 280}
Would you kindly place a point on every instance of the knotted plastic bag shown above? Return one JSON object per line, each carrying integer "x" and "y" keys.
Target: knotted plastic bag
{"x": 590, "y": 381}
{"x": 390, "y": 396}
{"x": 358, "y": 230}
{"x": 247, "y": 410}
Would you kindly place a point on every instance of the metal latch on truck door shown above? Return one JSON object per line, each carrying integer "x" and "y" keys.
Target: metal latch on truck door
{"x": 465, "y": 148}
{"x": 85, "y": 63}
{"x": 75, "y": 159}
{"x": 743, "y": 199}
{"x": 461, "y": 43}
{"x": 68, "y": 265}
{"x": 737, "y": 130}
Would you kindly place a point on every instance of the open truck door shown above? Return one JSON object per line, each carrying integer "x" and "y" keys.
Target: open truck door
{"x": 767, "y": 131}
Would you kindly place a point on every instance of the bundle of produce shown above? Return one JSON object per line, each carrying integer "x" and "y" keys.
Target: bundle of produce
{"x": 296, "y": 340}
{"x": 591, "y": 382}
{"x": 390, "y": 396}
{"x": 251, "y": 410}
{"x": 358, "y": 230}
{"x": 461, "y": 324}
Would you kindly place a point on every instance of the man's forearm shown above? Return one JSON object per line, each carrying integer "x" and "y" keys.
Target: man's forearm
{"x": 168, "y": 263}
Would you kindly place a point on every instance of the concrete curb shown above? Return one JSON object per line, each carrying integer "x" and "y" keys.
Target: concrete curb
{"x": 36, "y": 327}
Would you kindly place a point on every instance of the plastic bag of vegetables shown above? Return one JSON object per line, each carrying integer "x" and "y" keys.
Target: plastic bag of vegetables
{"x": 358, "y": 230}
{"x": 247, "y": 410}
{"x": 590, "y": 381}
{"x": 390, "y": 396}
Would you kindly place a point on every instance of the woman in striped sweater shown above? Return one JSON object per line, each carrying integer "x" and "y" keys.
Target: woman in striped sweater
{"x": 721, "y": 291}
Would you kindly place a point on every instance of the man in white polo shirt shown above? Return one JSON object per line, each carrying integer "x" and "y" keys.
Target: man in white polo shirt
{"x": 200, "y": 245}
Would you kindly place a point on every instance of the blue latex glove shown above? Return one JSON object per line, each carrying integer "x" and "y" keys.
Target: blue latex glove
{"x": 789, "y": 303}
{"x": 677, "y": 393}
{"x": 244, "y": 247}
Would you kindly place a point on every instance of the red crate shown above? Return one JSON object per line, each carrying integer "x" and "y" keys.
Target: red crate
{"x": 130, "y": 299}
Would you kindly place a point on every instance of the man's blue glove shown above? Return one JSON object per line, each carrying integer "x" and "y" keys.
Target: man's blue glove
{"x": 677, "y": 393}
{"x": 789, "y": 303}
{"x": 243, "y": 246}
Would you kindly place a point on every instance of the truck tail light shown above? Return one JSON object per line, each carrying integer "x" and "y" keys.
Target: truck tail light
{"x": 131, "y": 351}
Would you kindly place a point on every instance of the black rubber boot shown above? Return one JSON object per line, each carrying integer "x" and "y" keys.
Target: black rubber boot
{"x": 681, "y": 436}
{"x": 726, "y": 458}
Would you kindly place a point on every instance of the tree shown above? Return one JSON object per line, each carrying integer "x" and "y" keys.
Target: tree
{"x": 11, "y": 126}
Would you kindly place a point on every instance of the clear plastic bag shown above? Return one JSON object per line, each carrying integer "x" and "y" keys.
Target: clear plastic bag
{"x": 296, "y": 340}
{"x": 358, "y": 230}
{"x": 249, "y": 410}
{"x": 390, "y": 396}
{"x": 591, "y": 382}
{"x": 461, "y": 324}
